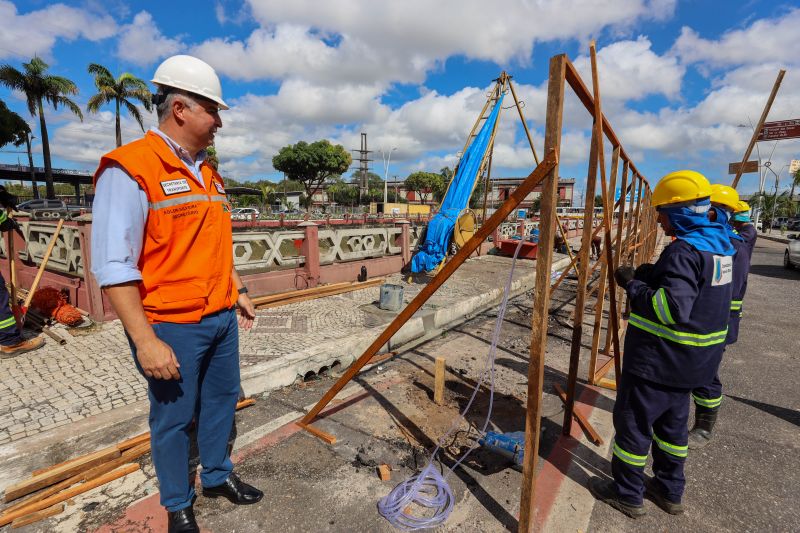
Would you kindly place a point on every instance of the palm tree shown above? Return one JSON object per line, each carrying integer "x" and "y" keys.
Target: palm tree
{"x": 121, "y": 91}
{"x": 40, "y": 87}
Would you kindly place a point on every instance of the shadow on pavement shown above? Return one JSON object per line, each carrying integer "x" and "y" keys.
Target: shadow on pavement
{"x": 775, "y": 271}
{"x": 784, "y": 413}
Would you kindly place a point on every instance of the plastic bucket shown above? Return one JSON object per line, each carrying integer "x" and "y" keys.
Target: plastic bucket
{"x": 391, "y": 297}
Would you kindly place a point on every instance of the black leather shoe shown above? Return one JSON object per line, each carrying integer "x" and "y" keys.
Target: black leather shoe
{"x": 182, "y": 521}
{"x": 236, "y": 490}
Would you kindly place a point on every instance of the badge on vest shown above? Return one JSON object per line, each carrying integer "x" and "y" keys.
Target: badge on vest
{"x": 175, "y": 186}
{"x": 220, "y": 188}
{"x": 723, "y": 270}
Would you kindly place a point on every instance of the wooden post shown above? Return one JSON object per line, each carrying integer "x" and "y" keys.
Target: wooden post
{"x": 758, "y": 127}
{"x": 310, "y": 251}
{"x": 583, "y": 276}
{"x": 541, "y": 293}
{"x": 405, "y": 240}
{"x": 438, "y": 382}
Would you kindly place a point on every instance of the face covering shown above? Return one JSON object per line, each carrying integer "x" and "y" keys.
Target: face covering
{"x": 691, "y": 224}
{"x": 723, "y": 217}
{"x": 743, "y": 216}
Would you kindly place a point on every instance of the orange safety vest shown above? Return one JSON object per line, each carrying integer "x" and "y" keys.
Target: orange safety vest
{"x": 187, "y": 254}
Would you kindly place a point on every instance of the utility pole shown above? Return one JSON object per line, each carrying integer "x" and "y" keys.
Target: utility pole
{"x": 28, "y": 138}
{"x": 386, "y": 162}
{"x": 363, "y": 167}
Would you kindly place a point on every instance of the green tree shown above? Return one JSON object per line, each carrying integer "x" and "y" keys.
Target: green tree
{"x": 795, "y": 183}
{"x": 211, "y": 157}
{"x": 426, "y": 184}
{"x": 122, "y": 90}
{"x": 598, "y": 201}
{"x": 312, "y": 164}
{"x": 40, "y": 87}
{"x": 13, "y": 127}
{"x": 773, "y": 205}
{"x": 342, "y": 193}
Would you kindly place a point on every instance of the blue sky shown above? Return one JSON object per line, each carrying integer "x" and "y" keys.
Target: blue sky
{"x": 677, "y": 78}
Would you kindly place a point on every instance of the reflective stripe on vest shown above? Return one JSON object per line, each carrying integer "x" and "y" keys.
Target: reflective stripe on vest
{"x": 630, "y": 458}
{"x": 679, "y": 337}
{"x": 661, "y": 307}
{"x": 672, "y": 449}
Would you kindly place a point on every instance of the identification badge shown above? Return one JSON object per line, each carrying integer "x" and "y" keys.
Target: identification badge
{"x": 175, "y": 186}
{"x": 220, "y": 188}
{"x": 723, "y": 270}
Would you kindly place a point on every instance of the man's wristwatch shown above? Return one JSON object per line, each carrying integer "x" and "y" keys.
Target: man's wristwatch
{"x": 243, "y": 290}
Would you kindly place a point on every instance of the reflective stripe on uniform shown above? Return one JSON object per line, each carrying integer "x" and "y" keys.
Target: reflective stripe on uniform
{"x": 3, "y": 216}
{"x": 627, "y": 457}
{"x": 8, "y": 322}
{"x": 679, "y": 337}
{"x": 672, "y": 449}
{"x": 192, "y": 198}
{"x": 711, "y": 403}
{"x": 736, "y": 305}
{"x": 661, "y": 307}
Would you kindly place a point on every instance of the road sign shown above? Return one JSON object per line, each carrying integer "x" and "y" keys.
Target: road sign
{"x": 750, "y": 166}
{"x": 781, "y": 129}
{"x": 794, "y": 166}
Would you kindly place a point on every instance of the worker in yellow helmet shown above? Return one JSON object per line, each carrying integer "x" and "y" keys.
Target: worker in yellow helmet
{"x": 675, "y": 339}
{"x": 708, "y": 398}
{"x": 743, "y": 225}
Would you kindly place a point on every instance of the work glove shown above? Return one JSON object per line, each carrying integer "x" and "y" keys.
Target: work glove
{"x": 643, "y": 271}
{"x": 10, "y": 224}
{"x": 623, "y": 275}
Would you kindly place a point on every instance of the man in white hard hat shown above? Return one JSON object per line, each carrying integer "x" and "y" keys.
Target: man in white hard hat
{"x": 162, "y": 251}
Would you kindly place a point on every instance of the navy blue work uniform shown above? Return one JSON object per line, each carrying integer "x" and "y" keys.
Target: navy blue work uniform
{"x": 674, "y": 343}
{"x": 710, "y": 395}
{"x": 9, "y": 333}
{"x": 749, "y": 234}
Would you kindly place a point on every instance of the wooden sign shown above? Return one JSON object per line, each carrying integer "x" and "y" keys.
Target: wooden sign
{"x": 750, "y": 166}
{"x": 781, "y": 129}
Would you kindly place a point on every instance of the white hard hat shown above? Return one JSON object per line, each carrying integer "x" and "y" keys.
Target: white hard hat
{"x": 191, "y": 75}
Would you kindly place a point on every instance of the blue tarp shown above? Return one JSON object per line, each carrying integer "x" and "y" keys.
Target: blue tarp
{"x": 440, "y": 228}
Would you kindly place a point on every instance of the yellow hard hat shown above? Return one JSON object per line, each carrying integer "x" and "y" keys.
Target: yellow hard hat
{"x": 742, "y": 206}
{"x": 680, "y": 186}
{"x": 725, "y": 196}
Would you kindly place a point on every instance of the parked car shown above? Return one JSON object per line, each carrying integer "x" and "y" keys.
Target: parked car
{"x": 41, "y": 203}
{"x": 793, "y": 225}
{"x": 245, "y": 213}
{"x": 791, "y": 256}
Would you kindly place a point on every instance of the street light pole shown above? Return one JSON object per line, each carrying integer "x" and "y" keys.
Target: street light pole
{"x": 386, "y": 162}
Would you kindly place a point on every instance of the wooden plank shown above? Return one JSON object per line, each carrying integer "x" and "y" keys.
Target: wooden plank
{"x": 607, "y": 383}
{"x": 247, "y": 402}
{"x": 60, "y": 472}
{"x": 757, "y": 129}
{"x": 603, "y": 370}
{"x": 533, "y": 179}
{"x": 541, "y": 294}
{"x": 296, "y": 293}
{"x": 38, "y": 515}
{"x": 127, "y": 456}
{"x": 340, "y": 290}
{"x": 593, "y": 436}
{"x": 6, "y": 518}
{"x": 327, "y": 437}
{"x": 384, "y": 472}
{"x": 135, "y": 441}
{"x": 438, "y": 382}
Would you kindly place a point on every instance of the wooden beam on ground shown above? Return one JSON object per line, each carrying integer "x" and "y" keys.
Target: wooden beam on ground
{"x": 438, "y": 382}
{"x": 355, "y": 286}
{"x": 541, "y": 293}
{"x": 535, "y": 177}
{"x": 38, "y": 516}
{"x": 59, "y": 473}
{"x": 607, "y": 383}
{"x": 6, "y": 518}
{"x": 593, "y": 436}
{"x": 327, "y": 437}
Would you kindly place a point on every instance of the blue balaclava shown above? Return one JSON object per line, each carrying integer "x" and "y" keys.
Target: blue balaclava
{"x": 724, "y": 217}
{"x": 691, "y": 224}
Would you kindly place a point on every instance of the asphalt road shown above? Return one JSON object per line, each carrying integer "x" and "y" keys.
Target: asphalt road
{"x": 748, "y": 477}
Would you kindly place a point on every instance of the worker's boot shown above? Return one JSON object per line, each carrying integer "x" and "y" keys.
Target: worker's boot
{"x": 704, "y": 420}
{"x": 21, "y": 347}
{"x": 656, "y": 491}
{"x": 605, "y": 491}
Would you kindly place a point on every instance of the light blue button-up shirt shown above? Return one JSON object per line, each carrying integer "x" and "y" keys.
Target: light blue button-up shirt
{"x": 119, "y": 213}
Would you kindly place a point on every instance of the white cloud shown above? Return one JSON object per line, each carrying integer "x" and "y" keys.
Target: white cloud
{"x": 630, "y": 70}
{"x": 142, "y": 43}
{"x": 775, "y": 39}
{"x": 36, "y": 32}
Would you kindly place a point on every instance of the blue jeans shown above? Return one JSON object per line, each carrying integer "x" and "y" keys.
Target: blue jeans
{"x": 207, "y": 391}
